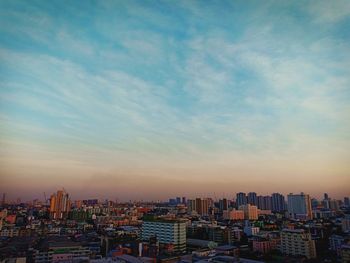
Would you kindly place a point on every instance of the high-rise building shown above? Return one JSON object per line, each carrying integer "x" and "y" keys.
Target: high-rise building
{"x": 202, "y": 206}
{"x": 278, "y": 202}
{"x": 241, "y": 199}
{"x": 334, "y": 204}
{"x": 297, "y": 242}
{"x": 326, "y": 201}
{"x": 267, "y": 201}
{"x": 252, "y": 198}
{"x": 264, "y": 202}
{"x": 346, "y": 201}
{"x": 60, "y": 205}
{"x": 345, "y": 223}
{"x": 299, "y": 206}
{"x": 260, "y": 202}
{"x": 250, "y": 211}
{"x": 223, "y": 204}
{"x": 168, "y": 232}
{"x": 191, "y": 205}
{"x": 172, "y": 201}
{"x": 314, "y": 203}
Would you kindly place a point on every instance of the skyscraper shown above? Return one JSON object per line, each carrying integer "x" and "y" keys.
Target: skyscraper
{"x": 223, "y": 204}
{"x": 202, "y": 206}
{"x": 264, "y": 202}
{"x": 260, "y": 202}
{"x": 299, "y": 206}
{"x": 191, "y": 205}
{"x": 60, "y": 205}
{"x": 252, "y": 199}
{"x": 346, "y": 201}
{"x": 278, "y": 203}
{"x": 241, "y": 199}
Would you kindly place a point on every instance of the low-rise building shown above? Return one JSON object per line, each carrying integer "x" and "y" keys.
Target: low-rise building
{"x": 345, "y": 253}
{"x": 58, "y": 249}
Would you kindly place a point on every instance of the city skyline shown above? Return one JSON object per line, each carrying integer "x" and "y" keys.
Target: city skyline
{"x": 44, "y": 196}
{"x": 146, "y": 100}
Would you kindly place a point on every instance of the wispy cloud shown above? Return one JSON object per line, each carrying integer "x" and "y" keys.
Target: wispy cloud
{"x": 207, "y": 88}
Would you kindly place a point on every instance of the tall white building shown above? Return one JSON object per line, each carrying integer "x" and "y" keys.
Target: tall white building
{"x": 297, "y": 242}
{"x": 167, "y": 231}
{"x": 299, "y": 206}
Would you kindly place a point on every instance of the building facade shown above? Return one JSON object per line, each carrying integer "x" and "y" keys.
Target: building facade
{"x": 250, "y": 211}
{"x": 299, "y": 206}
{"x": 167, "y": 231}
{"x": 297, "y": 242}
{"x": 278, "y": 203}
{"x": 60, "y": 205}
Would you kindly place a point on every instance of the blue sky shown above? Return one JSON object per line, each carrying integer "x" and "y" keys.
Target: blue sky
{"x": 175, "y": 92}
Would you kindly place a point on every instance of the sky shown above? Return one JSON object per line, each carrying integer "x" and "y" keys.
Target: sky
{"x": 155, "y": 99}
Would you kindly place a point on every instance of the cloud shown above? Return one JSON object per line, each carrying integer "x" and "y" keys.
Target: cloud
{"x": 329, "y": 11}
{"x": 129, "y": 90}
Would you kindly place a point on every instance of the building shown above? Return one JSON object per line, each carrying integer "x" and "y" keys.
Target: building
{"x": 334, "y": 204}
{"x": 223, "y": 204}
{"x": 250, "y": 211}
{"x": 251, "y": 230}
{"x": 297, "y": 242}
{"x": 277, "y": 203}
{"x": 336, "y": 242}
{"x": 264, "y": 202}
{"x": 219, "y": 234}
{"x": 322, "y": 213}
{"x": 346, "y": 201}
{"x": 191, "y": 205}
{"x": 252, "y": 198}
{"x": 345, "y": 253}
{"x": 241, "y": 199}
{"x": 299, "y": 206}
{"x": 233, "y": 215}
{"x": 345, "y": 223}
{"x": 260, "y": 200}
{"x": 264, "y": 245}
{"x": 60, "y": 249}
{"x": 167, "y": 232}
{"x": 9, "y": 232}
{"x": 60, "y": 205}
{"x": 202, "y": 206}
